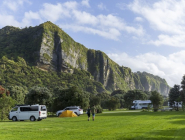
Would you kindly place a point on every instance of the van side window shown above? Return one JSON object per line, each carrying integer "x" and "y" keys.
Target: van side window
{"x": 43, "y": 108}
{"x": 34, "y": 108}
{"x": 14, "y": 109}
{"x": 22, "y": 109}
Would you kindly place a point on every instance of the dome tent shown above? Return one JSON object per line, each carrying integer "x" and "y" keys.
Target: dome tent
{"x": 68, "y": 113}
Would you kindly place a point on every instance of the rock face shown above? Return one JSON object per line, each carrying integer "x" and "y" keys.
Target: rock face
{"x": 54, "y": 50}
{"x": 150, "y": 83}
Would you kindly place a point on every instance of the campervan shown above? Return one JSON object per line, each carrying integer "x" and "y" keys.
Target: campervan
{"x": 175, "y": 104}
{"x": 28, "y": 112}
{"x": 141, "y": 104}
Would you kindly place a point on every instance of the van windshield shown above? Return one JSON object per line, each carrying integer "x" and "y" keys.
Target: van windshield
{"x": 43, "y": 108}
{"x": 14, "y": 109}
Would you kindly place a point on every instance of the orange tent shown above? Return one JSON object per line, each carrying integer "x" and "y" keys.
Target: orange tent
{"x": 68, "y": 113}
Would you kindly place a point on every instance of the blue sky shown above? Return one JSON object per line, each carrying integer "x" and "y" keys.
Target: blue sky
{"x": 141, "y": 34}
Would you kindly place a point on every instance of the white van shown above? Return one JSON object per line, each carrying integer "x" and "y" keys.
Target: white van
{"x": 28, "y": 112}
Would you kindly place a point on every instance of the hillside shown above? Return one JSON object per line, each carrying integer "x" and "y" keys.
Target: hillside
{"x": 49, "y": 50}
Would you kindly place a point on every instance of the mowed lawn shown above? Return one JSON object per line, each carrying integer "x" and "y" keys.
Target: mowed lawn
{"x": 121, "y": 125}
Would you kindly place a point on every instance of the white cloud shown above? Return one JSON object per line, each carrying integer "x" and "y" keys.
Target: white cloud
{"x": 8, "y": 17}
{"x": 103, "y": 25}
{"x": 101, "y": 6}
{"x": 54, "y": 12}
{"x": 166, "y": 16}
{"x": 139, "y": 19}
{"x": 9, "y": 20}
{"x": 70, "y": 5}
{"x": 107, "y": 26}
{"x": 85, "y": 3}
{"x": 170, "y": 68}
{"x": 14, "y": 5}
{"x": 109, "y": 34}
{"x": 29, "y": 16}
{"x": 174, "y": 40}
{"x": 121, "y": 6}
{"x": 85, "y": 18}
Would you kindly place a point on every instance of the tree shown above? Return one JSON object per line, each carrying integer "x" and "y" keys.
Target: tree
{"x": 166, "y": 100}
{"x": 120, "y": 97}
{"x": 157, "y": 100}
{"x": 4, "y": 91}
{"x": 113, "y": 103}
{"x": 18, "y": 93}
{"x": 183, "y": 83}
{"x": 70, "y": 97}
{"x": 95, "y": 100}
{"x": 118, "y": 92}
{"x": 132, "y": 95}
{"x": 104, "y": 97}
{"x": 182, "y": 92}
{"x": 182, "y": 98}
{"x": 6, "y": 102}
{"x": 174, "y": 95}
{"x": 38, "y": 95}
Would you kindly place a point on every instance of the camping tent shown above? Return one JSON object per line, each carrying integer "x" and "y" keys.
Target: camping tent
{"x": 68, "y": 113}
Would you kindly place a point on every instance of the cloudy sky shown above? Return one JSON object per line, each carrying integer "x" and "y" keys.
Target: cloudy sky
{"x": 141, "y": 34}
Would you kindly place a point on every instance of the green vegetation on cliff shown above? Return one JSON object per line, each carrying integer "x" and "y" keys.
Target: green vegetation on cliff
{"x": 24, "y": 43}
{"x": 17, "y": 73}
{"x": 25, "y": 53}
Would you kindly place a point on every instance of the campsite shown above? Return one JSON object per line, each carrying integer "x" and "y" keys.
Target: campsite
{"x": 92, "y": 69}
{"x": 109, "y": 125}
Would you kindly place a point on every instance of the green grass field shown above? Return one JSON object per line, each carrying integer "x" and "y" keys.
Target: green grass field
{"x": 122, "y": 125}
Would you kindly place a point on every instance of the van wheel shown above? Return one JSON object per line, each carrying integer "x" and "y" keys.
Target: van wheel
{"x": 14, "y": 119}
{"x": 32, "y": 118}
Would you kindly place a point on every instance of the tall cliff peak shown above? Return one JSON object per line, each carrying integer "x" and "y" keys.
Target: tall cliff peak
{"x": 49, "y": 48}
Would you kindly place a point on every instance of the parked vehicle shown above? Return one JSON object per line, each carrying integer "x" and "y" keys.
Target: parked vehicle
{"x": 141, "y": 104}
{"x": 176, "y": 104}
{"x": 76, "y": 109}
{"x": 28, "y": 112}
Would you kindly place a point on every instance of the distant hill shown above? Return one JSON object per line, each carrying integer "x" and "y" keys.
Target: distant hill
{"x": 48, "y": 51}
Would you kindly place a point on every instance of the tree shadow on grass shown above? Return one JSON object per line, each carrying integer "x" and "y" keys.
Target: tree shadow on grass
{"x": 16, "y": 121}
{"x": 177, "y": 134}
{"x": 170, "y": 134}
{"x": 5, "y": 121}
{"x": 179, "y": 122}
{"x": 149, "y": 138}
{"x": 177, "y": 114}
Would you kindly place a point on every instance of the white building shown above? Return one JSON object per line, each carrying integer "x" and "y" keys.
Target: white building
{"x": 141, "y": 104}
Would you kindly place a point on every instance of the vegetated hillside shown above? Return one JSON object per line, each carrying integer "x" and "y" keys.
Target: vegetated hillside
{"x": 48, "y": 48}
{"x": 19, "y": 73}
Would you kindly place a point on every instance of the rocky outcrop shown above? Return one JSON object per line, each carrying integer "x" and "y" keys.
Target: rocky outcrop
{"x": 51, "y": 49}
{"x": 151, "y": 82}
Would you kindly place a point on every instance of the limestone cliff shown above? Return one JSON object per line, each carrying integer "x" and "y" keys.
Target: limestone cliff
{"x": 49, "y": 48}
